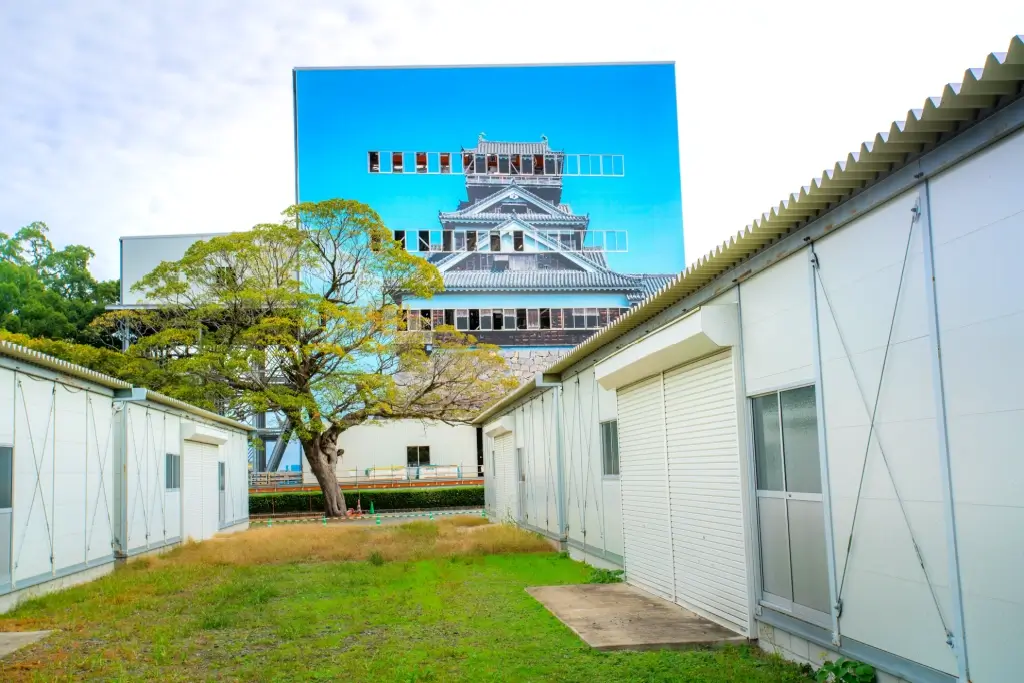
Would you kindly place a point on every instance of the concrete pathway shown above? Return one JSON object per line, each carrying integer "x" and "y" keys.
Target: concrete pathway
{"x": 617, "y": 616}
{"x": 13, "y": 641}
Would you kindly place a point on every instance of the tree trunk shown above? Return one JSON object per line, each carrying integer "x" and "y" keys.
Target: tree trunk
{"x": 322, "y": 454}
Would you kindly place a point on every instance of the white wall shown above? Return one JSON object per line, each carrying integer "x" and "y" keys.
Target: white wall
{"x": 534, "y": 433}
{"x": 382, "y": 443}
{"x": 978, "y": 236}
{"x": 152, "y": 513}
{"x": 63, "y": 474}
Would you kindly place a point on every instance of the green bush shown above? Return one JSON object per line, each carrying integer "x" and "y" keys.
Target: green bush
{"x": 382, "y": 499}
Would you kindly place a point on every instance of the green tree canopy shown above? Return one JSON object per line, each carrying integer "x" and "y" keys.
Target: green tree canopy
{"x": 303, "y": 318}
{"x": 50, "y": 293}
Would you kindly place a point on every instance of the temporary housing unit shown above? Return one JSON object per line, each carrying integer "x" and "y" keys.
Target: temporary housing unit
{"x": 818, "y": 425}
{"x": 93, "y": 470}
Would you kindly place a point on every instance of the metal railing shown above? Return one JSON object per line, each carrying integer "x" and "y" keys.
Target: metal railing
{"x": 372, "y": 475}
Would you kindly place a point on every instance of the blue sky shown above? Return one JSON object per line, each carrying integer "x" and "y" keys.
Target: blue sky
{"x": 613, "y": 109}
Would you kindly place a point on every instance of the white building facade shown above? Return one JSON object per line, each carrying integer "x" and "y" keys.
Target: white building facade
{"x": 93, "y": 470}
{"x": 812, "y": 435}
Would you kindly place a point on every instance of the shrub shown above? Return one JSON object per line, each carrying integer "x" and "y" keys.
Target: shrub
{"x": 382, "y": 499}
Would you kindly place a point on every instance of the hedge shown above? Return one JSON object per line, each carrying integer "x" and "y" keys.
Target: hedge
{"x": 382, "y": 499}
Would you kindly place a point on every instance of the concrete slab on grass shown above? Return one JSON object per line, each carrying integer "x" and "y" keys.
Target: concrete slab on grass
{"x": 13, "y": 641}
{"x": 617, "y": 616}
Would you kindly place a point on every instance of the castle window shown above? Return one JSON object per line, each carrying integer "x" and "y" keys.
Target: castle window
{"x": 467, "y": 163}
{"x": 374, "y": 161}
{"x": 400, "y": 237}
{"x": 520, "y": 318}
{"x": 579, "y": 316}
{"x": 421, "y": 162}
{"x": 517, "y": 240}
{"x": 495, "y": 241}
{"x": 545, "y": 319}
{"x": 471, "y": 240}
{"x": 497, "y": 263}
{"x": 436, "y": 237}
{"x": 538, "y": 164}
{"x": 503, "y": 164}
{"x": 492, "y": 163}
{"x": 396, "y": 162}
{"x": 602, "y": 317}
{"x": 486, "y": 319}
{"x": 413, "y": 318}
{"x": 568, "y": 320}
{"x": 556, "y": 318}
{"x": 532, "y": 319}
{"x": 510, "y": 318}
{"x": 424, "y": 240}
{"x": 499, "y": 319}
{"x": 479, "y": 163}
{"x": 474, "y": 319}
{"x": 591, "y": 318}
{"x": 516, "y": 164}
{"x": 527, "y": 166}
{"x": 446, "y": 240}
{"x": 549, "y": 165}
{"x": 460, "y": 240}
{"x": 446, "y": 162}
{"x": 438, "y": 317}
{"x": 449, "y": 317}
{"x": 425, "y": 319}
{"x": 461, "y": 319}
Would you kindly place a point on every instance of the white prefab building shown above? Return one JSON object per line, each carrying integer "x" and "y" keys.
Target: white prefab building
{"x": 404, "y": 450}
{"x": 812, "y": 435}
{"x": 93, "y": 470}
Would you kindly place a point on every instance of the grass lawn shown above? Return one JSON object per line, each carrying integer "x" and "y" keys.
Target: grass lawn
{"x": 419, "y": 602}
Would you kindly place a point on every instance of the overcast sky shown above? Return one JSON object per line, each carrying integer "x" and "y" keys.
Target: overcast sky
{"x": 129, "y": 117}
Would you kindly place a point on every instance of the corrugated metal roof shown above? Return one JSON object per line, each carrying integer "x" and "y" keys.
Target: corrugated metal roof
{"x": 939, "y": 120}
{"x": 60, "y": 366}
{"x": 544, "y": 280}
{"x": 529, "y": 216}
{"x": 63, "y": 367}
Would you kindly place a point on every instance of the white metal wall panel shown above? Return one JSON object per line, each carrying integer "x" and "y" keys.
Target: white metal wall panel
{"x": 645, "y": 508}
{"x": 7, "y": 404}
{"x": 886, "y": 599}
{"x": 776, "y": 316}
{"x": 504, "y": 478}
{"x": 978, "y": 231}
{"x": 172, "y": 499}
{"x": 99, "y": 502}
{"x": 70, "y": 458}
{"x": 535, "y": 429}
{"x": 192, "y": 490}
{"x": 706, "y": 493}
{"x": 32, "y": 540}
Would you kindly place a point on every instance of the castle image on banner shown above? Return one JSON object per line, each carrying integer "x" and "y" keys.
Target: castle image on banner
{"x": 521, "y": 268}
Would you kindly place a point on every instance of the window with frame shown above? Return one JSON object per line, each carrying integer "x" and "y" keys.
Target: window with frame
{"x": 791, "y": 519}
{"x": 172, "y": 472}
{"x": 610, "y": 448}
{"x": 417, "y": 456}
{"x": 6, "y": 477}
{"x": 462, "y": 318}
{"x": 521, "y": 464}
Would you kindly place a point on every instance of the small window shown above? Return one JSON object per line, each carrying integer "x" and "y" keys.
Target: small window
{"x": 532, "y": 319}
{"x": 495, "y": 241}
{"x": 449, "y": 317}
{"x": 421, "y": 162}
{"x": 425, "y": 319}
{"x": 417, "y": 456}
{"x": 413, "y": 318}
{"x": 510, "y": 318}
{"x": 438, "y": 317}
{"x": 6, "y": 477}
{"x": 591, "y": 318}
{"x": 461, "y": 319}
{"x": 400, "y": 238}
{"x": 446, "y": 240}
{"x": 424, "y": 240}
{"x": 446, "y": 162}
{"x": 172, "y": 472}
{"x": 538, "y": 164}
{"x": 527, "y": 167}
{"x": 549, "y": 165}
{"x": 517, "y": 240}
{"x": 474, "y": 319}
{"x": 374, "y": 162}
{"x": 492, "y": 163}
{"x": 568, "y": 319}
{"x": 520, "y": 318}
{"x": 556, "y": 318}
{"x": 602, "y": 317}
{"x": 499, "y": 320}
{"x": 516, "y": 164}
{"x": 545, "y": 318}
{"x": 486, "y": 319}
{"x": 396, "y": 162}
{"x": 479, "y": 163}
{"x": 503, "y": 164}
{"x": 460, "y": 240}
{"x": 221, "y": 478}
{"x": 471, "y": 240}
{"x": 610, "y": 448}
{"x": 467, "y": 163}
{"x": 521, "y": 464}
{"x": 580, "y": 318}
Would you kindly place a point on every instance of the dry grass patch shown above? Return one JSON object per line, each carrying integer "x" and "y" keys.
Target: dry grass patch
{"x": 417, "y": 540}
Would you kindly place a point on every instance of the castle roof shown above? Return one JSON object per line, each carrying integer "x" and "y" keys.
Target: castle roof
{"x": 636, "y": 287}
{"x": 496, "y": 147}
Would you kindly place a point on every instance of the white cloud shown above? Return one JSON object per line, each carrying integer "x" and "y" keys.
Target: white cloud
{"x": 122, "y": 118}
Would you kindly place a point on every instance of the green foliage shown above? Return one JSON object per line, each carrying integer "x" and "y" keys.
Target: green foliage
{"x": 845, "y": 670}
{"x": 598, "y": 575}
{"x": 50, "y": 293}
{"x": 376, "y": 558}
{"x": 382, "y": 499}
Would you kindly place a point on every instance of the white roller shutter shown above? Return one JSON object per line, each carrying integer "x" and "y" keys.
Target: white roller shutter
{"x": 504, "y": 477}
{"x": 645, "y": 513}
{"x": 192, "y": 491}
{"x": 704, "y": 480}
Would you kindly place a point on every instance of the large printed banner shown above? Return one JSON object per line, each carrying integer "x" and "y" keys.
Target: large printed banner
{"x": 577, "y": 158}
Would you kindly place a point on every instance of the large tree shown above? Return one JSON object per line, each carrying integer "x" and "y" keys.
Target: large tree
{"x": 48, "y": 292}
{"x": 303, "y": 318}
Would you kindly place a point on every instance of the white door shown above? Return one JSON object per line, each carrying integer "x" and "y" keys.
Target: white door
{"x": 504, "y": 477}
{"x": 709, "y": 560}
{"x": 211, "y": 495}
{"x": 192, "y": 491}
{"x": 646, "y": 532}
